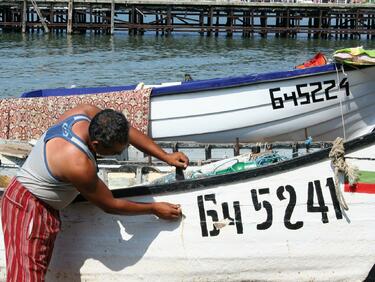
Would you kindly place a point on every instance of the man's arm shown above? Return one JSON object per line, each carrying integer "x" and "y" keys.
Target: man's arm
{"x": 147, "y": 145}
{"x": 138, "y": 140}
{"x": 85, "y": 179}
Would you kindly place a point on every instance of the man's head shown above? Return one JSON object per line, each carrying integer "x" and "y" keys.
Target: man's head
{"x": 109, "y": 132}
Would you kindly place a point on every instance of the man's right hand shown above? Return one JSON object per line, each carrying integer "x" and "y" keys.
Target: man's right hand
{"x": 177, "y": 159}
{"x": 166, "y": 210}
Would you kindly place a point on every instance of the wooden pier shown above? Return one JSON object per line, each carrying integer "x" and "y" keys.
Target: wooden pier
{"x": 211, "y": 18}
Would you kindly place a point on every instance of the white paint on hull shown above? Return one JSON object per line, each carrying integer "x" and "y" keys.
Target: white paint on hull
{"x": 95, "y": 246}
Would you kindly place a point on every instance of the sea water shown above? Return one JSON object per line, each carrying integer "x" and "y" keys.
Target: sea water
{"x": 38, "y": 61}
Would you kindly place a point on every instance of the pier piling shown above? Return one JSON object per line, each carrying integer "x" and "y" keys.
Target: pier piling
{"x": 281, "y": 19}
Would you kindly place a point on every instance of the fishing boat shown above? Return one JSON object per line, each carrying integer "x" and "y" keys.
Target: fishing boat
{"x": 132, "y": 167}
{"x": 322, "y": 102}
{"x": 294, "y": 220}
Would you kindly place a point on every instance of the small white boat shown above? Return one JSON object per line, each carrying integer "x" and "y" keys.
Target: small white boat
{"x": 322, "y": 102}
{"x": 281, "y": 222}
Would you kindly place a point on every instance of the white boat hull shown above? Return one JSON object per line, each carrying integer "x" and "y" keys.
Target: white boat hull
{"x": 322, "y": 102}
{"x": 294, "y": 244}
{"x": 322, "y": 110}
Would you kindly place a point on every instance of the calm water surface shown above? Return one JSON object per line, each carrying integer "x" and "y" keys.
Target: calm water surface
{"x": 35, "y": 61}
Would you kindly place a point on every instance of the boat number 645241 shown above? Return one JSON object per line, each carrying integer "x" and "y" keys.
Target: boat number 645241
{"x": 260, "y": 204}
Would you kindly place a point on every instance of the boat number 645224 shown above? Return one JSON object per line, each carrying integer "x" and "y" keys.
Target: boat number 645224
{"x": 307, "y": 93}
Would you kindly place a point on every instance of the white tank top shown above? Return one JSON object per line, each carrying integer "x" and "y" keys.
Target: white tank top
{"x": 35, "y": 174}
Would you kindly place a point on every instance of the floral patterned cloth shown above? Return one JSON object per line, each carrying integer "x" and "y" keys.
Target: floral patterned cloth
{"x": 29, "y": 118}
{"x": 4, "y": 118}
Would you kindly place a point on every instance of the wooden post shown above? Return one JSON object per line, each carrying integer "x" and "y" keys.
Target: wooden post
{"x": 323, "y": 25}
{"x": 175, "y": 147}
{"x": 295, "y": 147}
{"x": 32, "y": 21}
{"x": 320, "y": 23}
{"x": 112, "y": 17}
{"x": 138, "y": 175}
{"x": 135, "y": 20}
{"x": 336, "y": 26}
{"x": 131, "y": 21}
{"x": 298, "y": 24}
{"x": 51, "y": 16}
{"x": 69, "y": 27}
{"x": 230, "y": 22}
{"x": 209, "y": 21}
{"x": 24, "y": 16}
{"x": 287, "y": 22}
{"x": 352, "y": 26}
{"x": 179, "y": 174}
{"x": 169, "y": 20}
{"x": 90, "y": 15}
{"x": 217, "y": 23}
{"x": 356, "y": 25}
{"x": 157, "y": 21}
{"x": 201, "y": 22}
{"x": 247, "y": 23}
{"x": 329, "y": 25}
{"x": 85, "y": 20}
{"x": 252, "y": 21}
{"x": 58, "y": 20}
{"x": 263, "y": 24}
{"x": 277, "y": 24}
{"x": 207, "y": 152}
{"x": 141, "y": 21}
{"x": 368, "y": 26}
{"x": 237, "y": 147}
{"x": 163, "y": 22}
{"x": 316, "y": 26}
{"x": 309, "y": 28}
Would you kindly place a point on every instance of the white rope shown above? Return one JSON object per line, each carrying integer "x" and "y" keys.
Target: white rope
{"x": 337, "y": 156}
{"x": 341, "y": 108}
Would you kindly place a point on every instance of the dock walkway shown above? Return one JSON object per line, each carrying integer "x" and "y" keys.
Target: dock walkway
{"x": 288, "y": 18}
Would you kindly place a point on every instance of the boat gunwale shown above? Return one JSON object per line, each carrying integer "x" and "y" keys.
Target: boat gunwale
{"x": 241, "y": 81}
{"x": 198, "y": 85}
{"x": 235, "y": 177}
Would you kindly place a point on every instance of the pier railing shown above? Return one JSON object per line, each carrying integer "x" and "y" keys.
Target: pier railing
{"x": 284, "y": 18}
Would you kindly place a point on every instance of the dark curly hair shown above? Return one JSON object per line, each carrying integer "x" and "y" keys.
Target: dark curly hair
{"x": 109, "y": 127}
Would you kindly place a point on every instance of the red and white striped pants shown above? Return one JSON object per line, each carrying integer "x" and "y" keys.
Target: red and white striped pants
{"x": 30, "y": 228}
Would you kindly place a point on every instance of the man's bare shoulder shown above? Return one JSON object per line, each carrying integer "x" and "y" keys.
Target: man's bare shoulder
{"x": 83, "y": 109}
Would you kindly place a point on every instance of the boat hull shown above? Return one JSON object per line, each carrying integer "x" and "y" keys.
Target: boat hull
{"x": 290, "y": 108}
{"x": 277, "y": 223}
{"x": 322, "y": 102}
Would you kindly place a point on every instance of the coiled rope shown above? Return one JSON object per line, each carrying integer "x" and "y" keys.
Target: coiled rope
{"x": 337, "y": 156}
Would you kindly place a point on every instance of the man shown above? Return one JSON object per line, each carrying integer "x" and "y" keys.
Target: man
{"x": 61, "y": 165}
